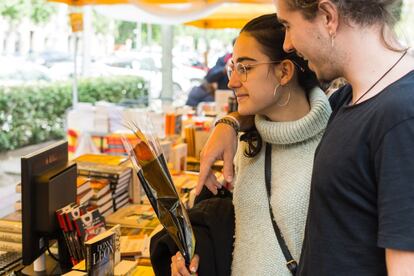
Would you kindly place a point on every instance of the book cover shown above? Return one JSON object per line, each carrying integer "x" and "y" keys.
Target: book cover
{"x": 67, "y": 234}
{"x": 117, "y": 243}
{"x": 125, "y": 268}
{"x": 80, "y": 180}
{"x": 102, "y": 199}
{"x": 90, "y": 225}
{"x": 102, "y": 159}
{"x": 98, "y": 193}
{"x": 133, "y": 245}
{"x": 84, "y": 197}
{"x": 101, "y": 170}
{"x": 99, "y": 183}
{"x": 82, "y": 184}
{"x": 134, "y": 215}
{"x": 100, "y": 254}
{"x": 71, "y": 216}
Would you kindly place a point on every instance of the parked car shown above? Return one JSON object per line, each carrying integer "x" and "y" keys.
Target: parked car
{"x": 15, "y": 71}
{"x": 148, "y": 66}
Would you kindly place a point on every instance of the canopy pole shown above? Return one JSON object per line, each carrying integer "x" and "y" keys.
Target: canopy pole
{"x": 167, "y": 64}
{"x": 75, "y": 72}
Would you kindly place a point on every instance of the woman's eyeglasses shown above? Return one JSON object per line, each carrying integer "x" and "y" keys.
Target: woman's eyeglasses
{"x": 242, "y": 69}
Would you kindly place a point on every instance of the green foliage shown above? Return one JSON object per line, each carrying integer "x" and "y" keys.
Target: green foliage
{"x": 13, "y": 10}
{"x": 125, "y": 30}
{"x": 41, "y": 11}
{"x": 101, "y": 24}
{"x": 33, "y": 114}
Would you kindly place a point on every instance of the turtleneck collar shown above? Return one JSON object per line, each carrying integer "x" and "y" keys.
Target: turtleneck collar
{"x": 292, "y": 132}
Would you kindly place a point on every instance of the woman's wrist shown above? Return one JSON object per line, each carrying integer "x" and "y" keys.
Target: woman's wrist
{"x": 244, "y": 122}
{"x": 231, "y": 121}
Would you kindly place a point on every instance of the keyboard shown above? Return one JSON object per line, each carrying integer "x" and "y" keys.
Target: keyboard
{"x": 9, "y": 260}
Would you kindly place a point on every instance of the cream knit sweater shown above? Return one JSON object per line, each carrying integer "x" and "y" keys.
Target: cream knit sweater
{"x": 256, "y": 250}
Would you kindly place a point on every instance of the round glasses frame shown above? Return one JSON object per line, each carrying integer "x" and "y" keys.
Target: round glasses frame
{"x": 242, "y": 69}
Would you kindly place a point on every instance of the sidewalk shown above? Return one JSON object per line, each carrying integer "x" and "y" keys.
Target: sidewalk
{"x": 10, "y": 175}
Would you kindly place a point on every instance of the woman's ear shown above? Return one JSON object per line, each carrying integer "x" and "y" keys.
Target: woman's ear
{"x": 285, "y": 72}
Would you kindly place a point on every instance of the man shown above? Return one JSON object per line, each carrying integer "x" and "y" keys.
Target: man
{"x": 361, "y": 213}
{"x": 217, "y": 74}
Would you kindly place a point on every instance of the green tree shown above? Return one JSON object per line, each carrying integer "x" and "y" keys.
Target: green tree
{"x": 41, "y": 11}
{"x": 13, "y": 10}
{"x": 101, "y": 24}
{"x": 124, "y": 31}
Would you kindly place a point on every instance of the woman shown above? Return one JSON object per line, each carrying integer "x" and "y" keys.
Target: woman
{"x": 290, "y": 117}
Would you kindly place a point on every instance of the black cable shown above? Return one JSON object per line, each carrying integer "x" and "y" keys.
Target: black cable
{"x": 51, "y": 254}
{"x": 57, "y": 259}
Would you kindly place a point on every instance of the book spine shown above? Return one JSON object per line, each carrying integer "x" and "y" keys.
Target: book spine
{"x": 67, "y": 238}
{"x": 10, "y": 226}
{"x": 74, "y": 237}
{"x": 88, "y": 259}
{"x": 11, "y": 237}
{"x": 10, "y": 246}
{"x": 98, "y": 174}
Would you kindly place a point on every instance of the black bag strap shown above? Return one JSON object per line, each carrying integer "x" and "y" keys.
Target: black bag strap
{"x": 290, "y": 262}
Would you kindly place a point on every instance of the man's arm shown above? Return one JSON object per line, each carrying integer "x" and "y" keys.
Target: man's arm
{"x": 399, "y": 262}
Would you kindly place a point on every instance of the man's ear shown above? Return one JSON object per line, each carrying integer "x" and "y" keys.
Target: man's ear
{"x": 285, "y": 72}
{"x": 330, "y": 16}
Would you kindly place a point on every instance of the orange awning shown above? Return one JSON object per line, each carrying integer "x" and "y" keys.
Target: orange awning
{"x": 232, "y": 15}
{"x": 156, "y": 2}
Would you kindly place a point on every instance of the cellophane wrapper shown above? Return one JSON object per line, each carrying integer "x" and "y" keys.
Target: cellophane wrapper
{"x": 149, "y": 162}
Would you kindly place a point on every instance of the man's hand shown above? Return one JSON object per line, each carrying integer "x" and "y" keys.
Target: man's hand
{"x": 178, "y": 267}
{"x": 399, "y": 263}
{"x": 221, "y": 145}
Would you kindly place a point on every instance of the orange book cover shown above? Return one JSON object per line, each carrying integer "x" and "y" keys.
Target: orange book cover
{"x": 99, "y": 183}
{"x": 80, "y": 180}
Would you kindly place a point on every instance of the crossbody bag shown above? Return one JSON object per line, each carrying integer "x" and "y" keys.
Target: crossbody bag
{"x": 290, "y": 262}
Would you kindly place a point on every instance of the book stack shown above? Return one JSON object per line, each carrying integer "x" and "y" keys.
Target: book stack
{"x": 138, "y": 222}
{"x": 102, "y": 255}
{"x": 113, "y": 170}
{"x": 102, "y": 196}
{"x": 11, "y": 232}
{"x": 84, "y": 191}
{"x": 18, "y": 203}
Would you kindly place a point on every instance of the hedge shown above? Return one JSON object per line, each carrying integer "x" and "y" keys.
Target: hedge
{"x": 36, "y": 113}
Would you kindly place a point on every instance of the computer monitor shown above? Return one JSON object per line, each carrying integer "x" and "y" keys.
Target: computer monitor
{"x": 48, "y": 184}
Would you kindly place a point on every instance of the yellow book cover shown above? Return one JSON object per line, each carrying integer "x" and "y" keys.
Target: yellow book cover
{"x": 102, "y": 159}
{"x": 134, "y": 215}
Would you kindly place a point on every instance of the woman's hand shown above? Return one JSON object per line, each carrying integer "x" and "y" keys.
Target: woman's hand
{"x": 221, "y": 145}
{"x": 178, "y": 267}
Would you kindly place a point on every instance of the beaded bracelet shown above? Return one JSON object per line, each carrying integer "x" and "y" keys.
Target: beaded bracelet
{"x": 231, "y": 122}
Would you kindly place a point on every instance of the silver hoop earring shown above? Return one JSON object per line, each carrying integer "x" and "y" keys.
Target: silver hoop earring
{"x": 285, "y": 103}
{"x": 275, "y": 90}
